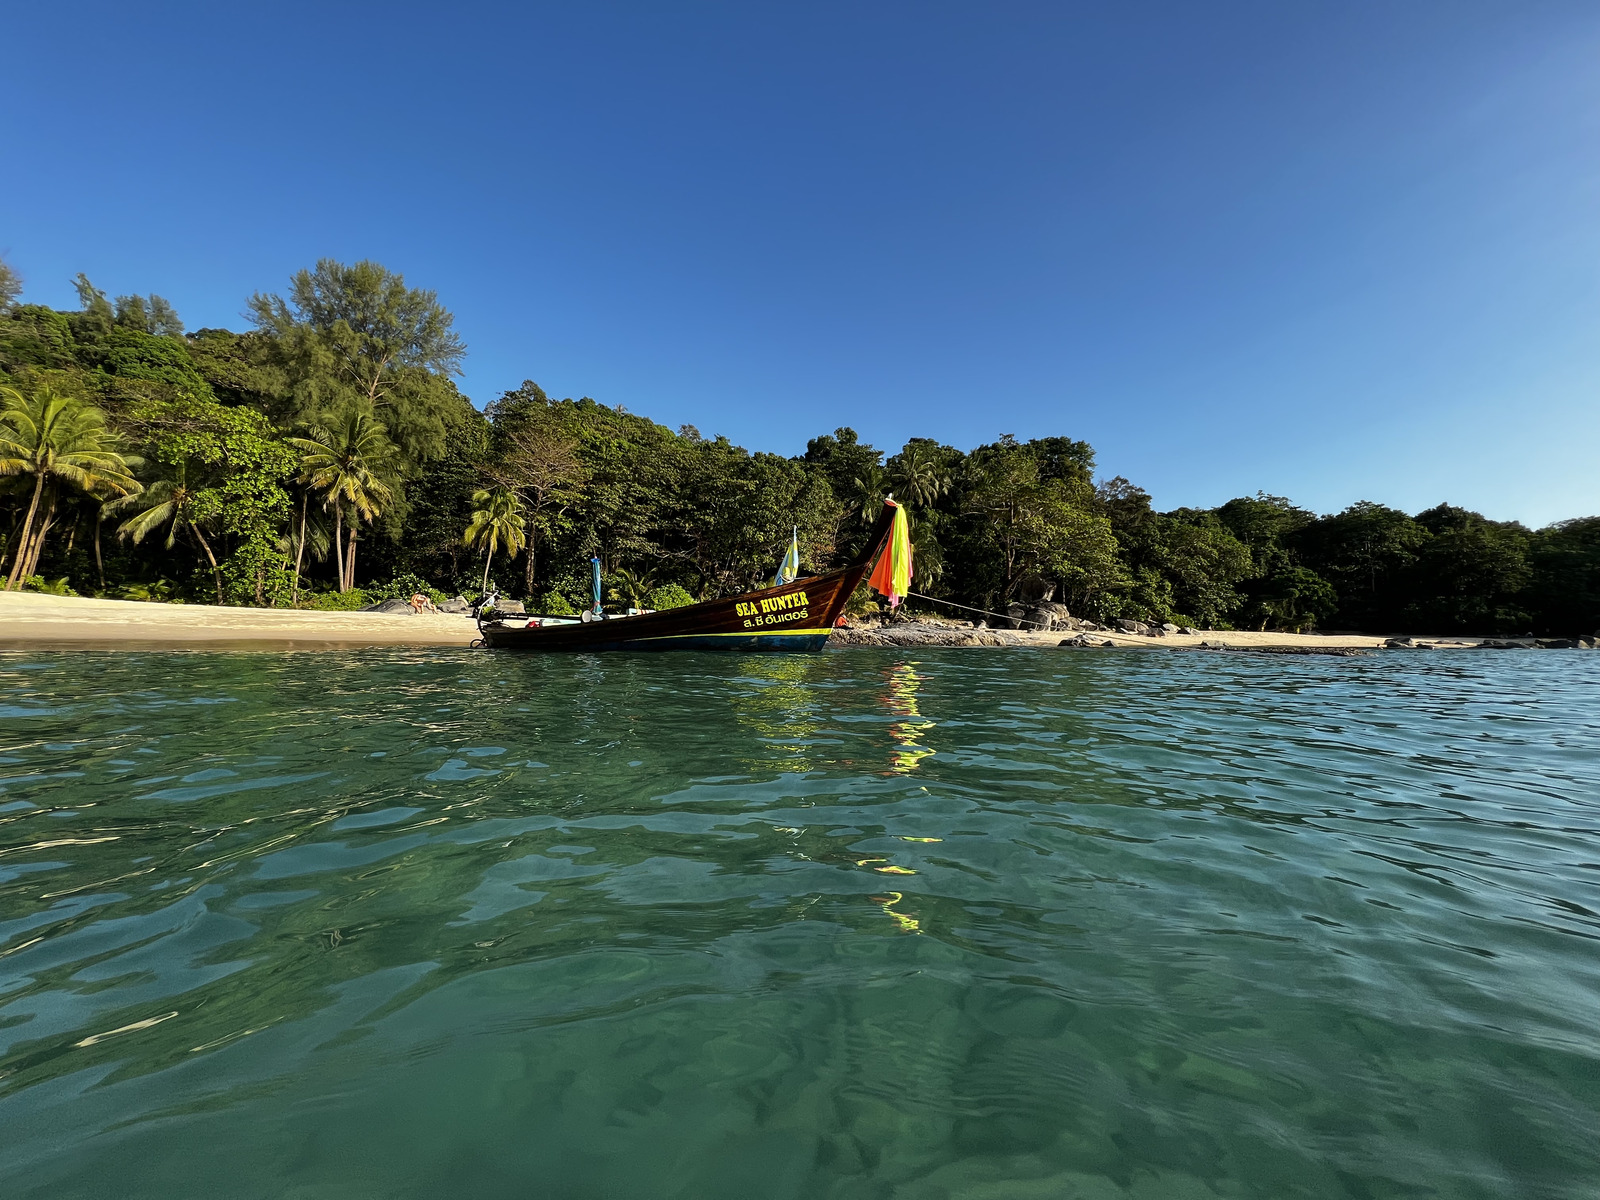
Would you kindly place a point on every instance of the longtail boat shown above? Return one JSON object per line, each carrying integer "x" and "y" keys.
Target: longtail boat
{"x": 789, "y": 616}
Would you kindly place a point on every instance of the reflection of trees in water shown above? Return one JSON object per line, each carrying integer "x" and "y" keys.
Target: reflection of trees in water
{"x": 900, "y": 698}
{"x": 780, "y": 704}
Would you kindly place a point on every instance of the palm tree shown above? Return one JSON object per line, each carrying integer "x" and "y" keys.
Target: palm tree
{"x": 918, "y": 475}
{"x": 496, "y": 521}
{"x": 343, "y": 463}
{"x": 866, "y": 493}
{"x": 169, "y": 503}
{"x": 54, "y": 437}
{"x": 631, "y": 587}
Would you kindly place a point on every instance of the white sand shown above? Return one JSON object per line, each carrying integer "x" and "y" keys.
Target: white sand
{"x": 29, "y": 619}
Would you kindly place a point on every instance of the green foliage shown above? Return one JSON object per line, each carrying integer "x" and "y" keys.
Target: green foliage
{"x": 403, "y": 587}
{"x": 50, "y": 587}
{"x": 668, "y": 595}
{"x": 1028, "y": 519}
{"x": 10, "y": 285}
{"x": 252, "y": 463}
{"x": 346, "y": 465}
{"x": 1563, "y": 590}
{"x": 496, "y": 521}
{"x": 553, "y": 604}
{"x": 61, "y": 446}
{"x": 346, "y": 601}
{"x": 357, "y": 335}
{"x": 161, "y": 591}
{"x": 629, "y": 588}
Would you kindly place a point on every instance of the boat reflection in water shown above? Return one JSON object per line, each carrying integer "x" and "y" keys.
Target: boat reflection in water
{"x": 900, "y": 698}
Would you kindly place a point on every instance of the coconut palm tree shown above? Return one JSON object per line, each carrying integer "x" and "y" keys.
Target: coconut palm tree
{"x": 496, "y": 521}
{"x": 866, "y": 493}
{"x": 631, "y": 587}
{"x": 169, "y": 504}
{"x": 343, "y": 462}
{"x": 917, "y": 475}
{"x": 58, "y": 440}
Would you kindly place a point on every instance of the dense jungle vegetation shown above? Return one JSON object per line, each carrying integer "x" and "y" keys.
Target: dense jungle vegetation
{"x": 324, "y": 458}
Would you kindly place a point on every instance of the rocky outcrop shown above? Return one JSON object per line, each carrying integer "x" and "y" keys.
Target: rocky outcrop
{"x": 394, "y": 607}
{"x": 921, "y": 633}
{"x": 1145, "y": 629}
{"x": 1326, "y": 651}
{"x": 1084, "y": 642}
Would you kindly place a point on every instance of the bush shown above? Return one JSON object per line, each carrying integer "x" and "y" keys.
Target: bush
{"x": 668, "y": 595}
{"x": 50, "y": 587}
{"x": 553, "y": 604}
{"x": 336, "y": 601}
{"x": 159, "y": 592}
{"x": 403, "y": 587}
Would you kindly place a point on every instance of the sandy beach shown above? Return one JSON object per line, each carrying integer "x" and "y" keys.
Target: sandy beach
{"x": 31, "y": 620}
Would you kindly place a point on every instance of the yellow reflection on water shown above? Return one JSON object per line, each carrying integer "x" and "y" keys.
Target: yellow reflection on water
{"x": 900, "y": 698}
{"x": 782, "y": 707}
{"x": 907, "y": 924}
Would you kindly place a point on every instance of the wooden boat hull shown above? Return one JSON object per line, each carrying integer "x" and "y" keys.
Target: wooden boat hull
{"x": 794, "y": 616}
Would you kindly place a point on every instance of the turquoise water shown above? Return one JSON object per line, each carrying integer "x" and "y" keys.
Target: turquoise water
{"x": 979, "y": 924}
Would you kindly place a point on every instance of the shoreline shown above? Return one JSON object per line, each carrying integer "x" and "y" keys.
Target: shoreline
{"x": 35, "y": 621}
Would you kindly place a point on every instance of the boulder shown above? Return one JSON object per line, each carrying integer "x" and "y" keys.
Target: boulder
{"x": 1500, "y": 644}
{"x": 1169, "y": 627}
{"x": 1400, "y": 643}
{"x": 1135, "y": 627}
{"x": 514, "y": 608}
{"x": 1045, "y": 617}
{"x": 1188, "y": 631}
{"x": 1557, "y": 644}
{"x": 457, "y": 605}
{"x": 1586, "y": 643}
{"x": 1084, "y": 642}
{"x": 393, "y": 607}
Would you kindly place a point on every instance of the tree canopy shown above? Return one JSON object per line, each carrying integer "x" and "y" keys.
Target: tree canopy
{"x": 246, "y": 466}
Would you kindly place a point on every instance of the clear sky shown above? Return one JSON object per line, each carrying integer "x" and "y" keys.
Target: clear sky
{"x": 1334, "y": 251}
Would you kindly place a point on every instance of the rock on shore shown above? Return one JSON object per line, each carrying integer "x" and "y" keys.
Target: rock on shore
{"x": 922, "y": 633}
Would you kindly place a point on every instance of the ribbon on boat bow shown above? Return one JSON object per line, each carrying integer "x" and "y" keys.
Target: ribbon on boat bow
{"x": 892, "y": 576}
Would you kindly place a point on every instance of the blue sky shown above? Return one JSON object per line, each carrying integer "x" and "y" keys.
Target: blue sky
{"x": 1332, "y": 251}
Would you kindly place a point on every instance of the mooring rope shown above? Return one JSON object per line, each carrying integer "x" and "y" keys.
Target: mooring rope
{"x": 984, "y": 611}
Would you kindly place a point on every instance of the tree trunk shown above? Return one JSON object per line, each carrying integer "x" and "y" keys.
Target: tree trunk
{"x": 99, "y": 564}
{"x": 46, "y": 522}
{"x": 350, "y": 564}
{"x": 211, "y": 558}
{"x": 487, "y": 559}
{"x": 338, "y": 543}
{"x": 27, "y": 530}
{"x": 299, "y": 550}
{"x": 528, "y": 578}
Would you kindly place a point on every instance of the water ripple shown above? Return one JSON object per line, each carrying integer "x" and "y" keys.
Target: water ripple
{"x": 857, "y": 924}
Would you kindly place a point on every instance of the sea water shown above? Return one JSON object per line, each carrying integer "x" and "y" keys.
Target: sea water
{"x": 866, "y": 923}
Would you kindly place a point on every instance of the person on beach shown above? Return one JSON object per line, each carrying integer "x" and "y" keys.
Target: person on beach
{"x": 421, "y": 604}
